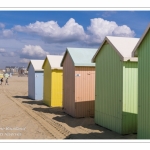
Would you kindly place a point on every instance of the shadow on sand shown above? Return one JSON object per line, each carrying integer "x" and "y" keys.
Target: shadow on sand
{"x": 33, "y": 102}
{"x": 87, "y": 123}
{"x": 45, "y": 109}
{"x": 97, "y": 136}
{"x": 23, "y": 97}
{"x": 69, "y": 120}
{"x": 98, "y": 132}
{"x": 54, "y": 110}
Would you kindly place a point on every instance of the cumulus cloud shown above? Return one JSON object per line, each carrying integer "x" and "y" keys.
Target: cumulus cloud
{"x": 7, "y": 53}
{"x": 24, "y": 60}
{"x": 34, "y": 52}
{"x": 12, "y": 54}
{"x": 51, "y": 32}
{"x": 123, "y": 31}
{"x": 7, "y": 33}
{"x": 2, "y": 25}
{"x": 2, "y": 50}
{"x": 100, "y": 28}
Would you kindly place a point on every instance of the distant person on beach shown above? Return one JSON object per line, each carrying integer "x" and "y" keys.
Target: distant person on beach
{"x": 1, "y": 81}
{"x": 6, "y": 81}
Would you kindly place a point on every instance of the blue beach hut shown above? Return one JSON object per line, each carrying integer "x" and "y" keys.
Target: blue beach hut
{"x": 35, "y": 79}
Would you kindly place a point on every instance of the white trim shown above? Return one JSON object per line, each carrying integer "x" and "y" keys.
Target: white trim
{"x": 134, "y": 59}
{"x": 54, "y": 61}
{"x": 37, "y": 65}
{"x": 114, "y": 47}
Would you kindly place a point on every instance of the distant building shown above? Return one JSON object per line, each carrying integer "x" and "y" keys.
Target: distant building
{"x": 7, "y": 68}
{"x": 22, "y": 71}
{"x": 1, "y": 71}
{"x": 11, "y": 69}
{"x": 16, "y": 70}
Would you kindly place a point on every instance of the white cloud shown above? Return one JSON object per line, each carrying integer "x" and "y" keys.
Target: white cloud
{"x": 12, "y": 54}
{"x": 24, "y": 60}
{"x": 2, "y": 25}
{"x": 7, "y": 33}
{"x": 71, "y": 34}
{"x": 2, "y": 50}
{"x": 123, "y": 31}
{"x": 31, "y": 51}
{"x": 52, "y": 32}
{"x": 100, "y": 28}
{"x": 7, "y": 53}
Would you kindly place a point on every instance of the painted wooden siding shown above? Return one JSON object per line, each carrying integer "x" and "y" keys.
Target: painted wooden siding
{"x": 47, "y": 84}
{"x": 31, "y": 82}
{"x": 109, "y": 89}
{"x": 69, "y": 86}
{"x": 39, "y": 85}
{"x": 56, "y": 90}
{"x": 144, "y": 89}
{"x": 84, "y": 91}
{"x": 130, "y": 97}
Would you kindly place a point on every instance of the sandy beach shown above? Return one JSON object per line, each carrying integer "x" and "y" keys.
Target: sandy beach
{"x": 23, "y": 118}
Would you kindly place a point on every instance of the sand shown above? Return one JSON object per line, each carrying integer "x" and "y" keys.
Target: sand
{"x": 23, "y": 118}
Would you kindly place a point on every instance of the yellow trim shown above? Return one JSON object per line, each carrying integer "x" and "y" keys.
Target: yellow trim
{"x": 56, "y": 90}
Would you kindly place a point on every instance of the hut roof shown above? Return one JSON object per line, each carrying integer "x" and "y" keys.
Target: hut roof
{"x": 54, "y": 61}
{"x": 80, "y": 56}
{"x": 37, "y": 65}
{"x": 122, "y": 45}
{"x": 140, "y": 41}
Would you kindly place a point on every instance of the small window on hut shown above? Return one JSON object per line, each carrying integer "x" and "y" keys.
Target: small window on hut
{"x": 77, "y": 75}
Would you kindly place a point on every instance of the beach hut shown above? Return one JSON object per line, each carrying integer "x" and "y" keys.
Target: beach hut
{"x": 52, "y": 95}
{"x": 78, "y": 82}
{"x": 116, "y": 85}
{"x": 142, "y": 51}
{"x": 35, "y": 79}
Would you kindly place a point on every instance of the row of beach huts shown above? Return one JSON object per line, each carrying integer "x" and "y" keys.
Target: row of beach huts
{"x": 111, "y": 83}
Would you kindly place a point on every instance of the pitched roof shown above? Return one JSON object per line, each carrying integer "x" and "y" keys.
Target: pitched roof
{"x": 140, "y": 41}
{"x": 37, "y": 65}
{"x": 54, "y": 61}
{"x": 80, "y": 56}
{"x": 122, "y": 45}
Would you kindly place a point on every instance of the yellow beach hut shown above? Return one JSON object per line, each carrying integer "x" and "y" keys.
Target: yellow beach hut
{"x": 52, "y": 92}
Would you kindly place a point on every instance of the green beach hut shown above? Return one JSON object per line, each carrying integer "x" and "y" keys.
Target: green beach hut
{"x": 116, "y": 85}
{"x": 142, "y": 51}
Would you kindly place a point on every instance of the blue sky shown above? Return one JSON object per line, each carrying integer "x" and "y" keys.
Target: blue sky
{"x": 26, "y": 35}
